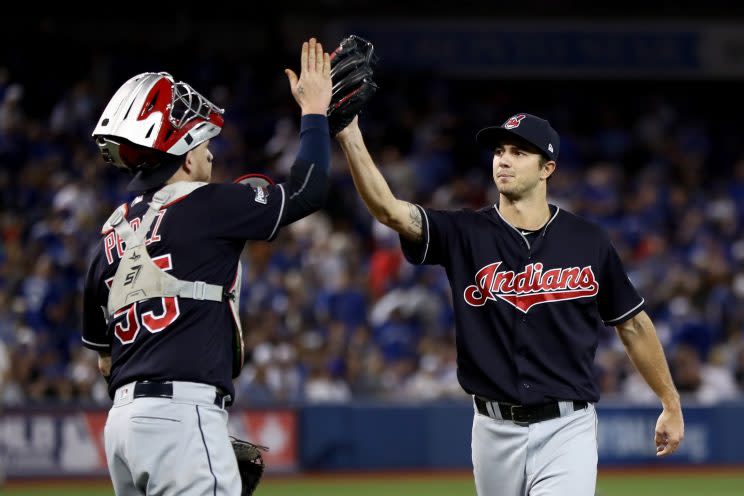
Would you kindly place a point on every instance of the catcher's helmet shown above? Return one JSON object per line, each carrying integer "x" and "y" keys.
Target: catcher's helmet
{"x": 150, "y": 122}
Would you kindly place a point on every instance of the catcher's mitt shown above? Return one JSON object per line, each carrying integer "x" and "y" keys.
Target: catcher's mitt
{"x": 351, "y": 75}
{"x": 250, "y": 463}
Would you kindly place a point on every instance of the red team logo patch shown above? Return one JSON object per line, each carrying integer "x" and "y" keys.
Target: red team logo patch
{"x": 514, "y": 121}
{"x": 531, "y": 286}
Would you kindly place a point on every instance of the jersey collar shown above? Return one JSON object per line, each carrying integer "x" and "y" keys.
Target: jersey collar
{"x": 553, "y": 208}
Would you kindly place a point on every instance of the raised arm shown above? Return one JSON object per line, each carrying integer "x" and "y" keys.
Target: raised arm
{"x": 644, "y": 349}
{"x": 399, "y": 215}
{"x": 307, "y": 186}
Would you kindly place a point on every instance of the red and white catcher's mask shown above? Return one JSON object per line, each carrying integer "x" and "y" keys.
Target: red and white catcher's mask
{"x": 154, "y": 111}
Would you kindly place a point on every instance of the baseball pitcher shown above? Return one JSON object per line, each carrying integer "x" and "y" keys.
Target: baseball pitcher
{"x": 533, "y": 286}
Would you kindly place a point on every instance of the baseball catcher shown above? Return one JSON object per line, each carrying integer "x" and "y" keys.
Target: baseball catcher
{"x": 167, "y": 273}
{"x": 250, "y": 464}
{"x": 351, "y": 73}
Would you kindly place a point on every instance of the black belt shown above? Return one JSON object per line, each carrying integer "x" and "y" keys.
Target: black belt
{"x": 525, "y": 414}
{"x": 149, "y": 389}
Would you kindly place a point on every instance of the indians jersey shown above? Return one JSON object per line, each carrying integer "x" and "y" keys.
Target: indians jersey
{"x": 197, "y": 237}
{"x": 528, "y": 309}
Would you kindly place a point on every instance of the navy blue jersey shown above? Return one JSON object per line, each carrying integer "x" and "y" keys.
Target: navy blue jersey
{"x": 198, "y": 237}
{"x": 528, "y": 309}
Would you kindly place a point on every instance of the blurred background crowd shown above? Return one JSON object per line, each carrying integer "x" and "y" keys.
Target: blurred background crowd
{"x": 332, "y": 311}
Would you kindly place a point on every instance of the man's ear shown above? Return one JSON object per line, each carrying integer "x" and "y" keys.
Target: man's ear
{"x": 186, "y": 166}
{"x": 547, "y": 169}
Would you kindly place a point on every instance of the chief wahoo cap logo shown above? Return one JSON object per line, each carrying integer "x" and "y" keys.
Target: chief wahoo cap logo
{"x": 514, "y": 121}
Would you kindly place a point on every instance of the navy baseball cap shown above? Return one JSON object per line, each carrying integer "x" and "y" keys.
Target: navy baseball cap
{"x": 528, "y": 127}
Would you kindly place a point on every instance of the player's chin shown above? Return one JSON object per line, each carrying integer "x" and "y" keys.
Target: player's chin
{"x": 505, "y": 187}
{"x": 511, "y": 194}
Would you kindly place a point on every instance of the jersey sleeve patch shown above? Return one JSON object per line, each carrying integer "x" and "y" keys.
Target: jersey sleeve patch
{"x": 262, "y": 195}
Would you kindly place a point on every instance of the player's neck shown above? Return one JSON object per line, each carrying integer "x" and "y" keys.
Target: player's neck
{"x": 526, "y": 213}
{"x": 182, "y": 175}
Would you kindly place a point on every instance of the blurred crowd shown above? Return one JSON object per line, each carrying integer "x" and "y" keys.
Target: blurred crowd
{"x": 332, "y": 311}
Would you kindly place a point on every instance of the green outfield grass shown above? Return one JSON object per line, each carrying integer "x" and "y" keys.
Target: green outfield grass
{"x": 727, "y": 483}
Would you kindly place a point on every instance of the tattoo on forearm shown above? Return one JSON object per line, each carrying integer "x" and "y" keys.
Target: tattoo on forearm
{"x": 414, "y": 227}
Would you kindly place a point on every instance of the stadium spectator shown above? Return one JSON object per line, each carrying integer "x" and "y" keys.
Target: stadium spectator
{"x": 332, "y": 310}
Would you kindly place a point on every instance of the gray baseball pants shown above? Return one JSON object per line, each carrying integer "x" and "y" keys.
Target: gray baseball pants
{"x": 170, "y": 446}
{"x": 556, "y": 457}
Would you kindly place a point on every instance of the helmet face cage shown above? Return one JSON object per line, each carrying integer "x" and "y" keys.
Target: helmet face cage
{"x": 188, "y": 104}
{"x": 153, "y": 111}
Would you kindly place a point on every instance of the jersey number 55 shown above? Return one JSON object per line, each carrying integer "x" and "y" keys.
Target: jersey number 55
{"x": 146, "y": 314}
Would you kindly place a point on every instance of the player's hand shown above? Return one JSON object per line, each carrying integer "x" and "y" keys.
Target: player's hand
{"x": 348, "y": 133}
{"x": 312, "y": 90}
{"x": 670, "y": 429}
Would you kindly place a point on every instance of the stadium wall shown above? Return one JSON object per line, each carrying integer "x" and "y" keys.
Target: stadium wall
{"x": 363, "y": 436}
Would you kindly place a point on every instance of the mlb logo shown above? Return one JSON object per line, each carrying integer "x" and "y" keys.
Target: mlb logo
{"x": 550, "y": 147}
{"x": 123, "y": 394}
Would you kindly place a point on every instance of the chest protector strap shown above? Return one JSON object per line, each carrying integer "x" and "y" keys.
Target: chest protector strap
{"x": 137, "y": 277}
